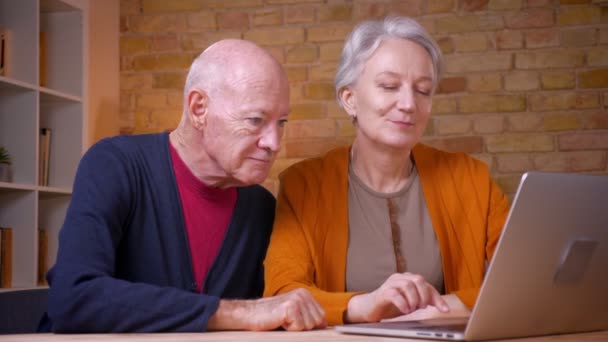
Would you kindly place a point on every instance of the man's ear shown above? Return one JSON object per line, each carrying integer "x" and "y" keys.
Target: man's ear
{"x": 347, "y": 98}
{"x": 197, "y": 108}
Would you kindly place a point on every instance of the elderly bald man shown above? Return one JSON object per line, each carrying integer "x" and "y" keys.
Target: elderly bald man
{"x": 168, "y": 232}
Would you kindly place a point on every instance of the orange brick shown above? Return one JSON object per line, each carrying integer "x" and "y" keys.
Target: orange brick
{"x": 485, "y": 158}
{"x": 596, "y": 120}
{"x": 127, "y": 102}
{"x": 143, "y": 124}
{"x": 549, "y": 59}
{"x": 501, "y": 5}
{"x": 572, "y": 2}
{"x": 162, "y": 6}
{"x": 173, "y": 61}
{"x": 439, "y": 6}
{"x": 233, "y": 20}
{"x": 513, "y": 162}
{"x": 488, "y": 124}
{"x": 605, "y": 100}
{"x": 200, "y": 41}
{"x": 135, "y": 81}
{"x": 307, "y": 111}
{"x": 530, "y": 18}
{"x": 558, "y": 101}
{"x": 583, "y": 141}
{"x": 519, "y": 143}
{"x": 528, "y": 122}
{"x": 542, "y": 38}
{"x": 276, "y": 52}
{"x": 132, "y": 45}
{"x": 578, "y": 37}
{"x": 538, "y": 3}
{"x": 485, "y": 62}
{"x": 578, "y": 15}
{"x": 170, "y": 80}
{"x": 319, "y": 91}
{"x": 302, "y": 54}
{"x": 340, "y": 12}
{"x": 297, "y": 129}
{"x": 558, "y": 80}
{"x": 492, "y": 103}
{"x": 175, "y": 98}
{"x": 561, "y": 122}
{"x": 165, "y": 42}
{"x": 452, "y": 85}
{"x": 521, "y": 81}
{"x": 130, "y": 7}
{"x": 335, "y": 111}
{"x": 480, "y": 83}
{"x": 165, "y": 120}
{"x": 507, "y": 40}
{"x": 508, "y": 184}
{"x": 410, "y": 8}
{"x": 597, "y": 57}
{"x": 272, "y": 185}
{"x": 330, "y": 52}
{"x": 296, "y": 74}
{"x": 453, "y": 125}
{"x": 474, "y": 41}
{"x": 277, "y": 2}
{"x": 603, "y": 36}
{"x": 468, "y": 23}
{"x": 300, "y": 14}
{"x": 346, "y": 128}
{"x": 268, "y": 17}
{"x": 470, "y": 144}
{"x": 157, "y": 23}
{"x": 203, "y": 20}
{"x": 367, "y": 9}
{"x": 323, "y": 72}
{"x": 313, "y": 148}
{"x": 552, "y": 161}
{"x": 296, "y": 93}
{"x": 473, "y": 5}
{"x": 327, "y": 33}
{"x": 151, "y": 100}
{"x": 223, "y": 4}
{"x": 593, "y": 79}
{"x": 444, "y": 105}
{"x": 276, "y": 36}
{"x": 145, "y": 62}
{"x": 587, "y": 161}
{"x": 446, "y": 45}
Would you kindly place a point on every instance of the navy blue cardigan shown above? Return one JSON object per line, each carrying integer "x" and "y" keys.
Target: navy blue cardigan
{"x": 124, "y": 262}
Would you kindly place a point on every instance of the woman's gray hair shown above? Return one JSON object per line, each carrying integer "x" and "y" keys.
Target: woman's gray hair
{"x": 363, "y": 41}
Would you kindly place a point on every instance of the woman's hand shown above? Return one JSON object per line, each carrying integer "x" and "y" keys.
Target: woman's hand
{"x": 400, "y": 294}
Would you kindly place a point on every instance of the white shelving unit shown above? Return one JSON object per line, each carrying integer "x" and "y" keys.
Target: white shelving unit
{"x": 25, "y": 107}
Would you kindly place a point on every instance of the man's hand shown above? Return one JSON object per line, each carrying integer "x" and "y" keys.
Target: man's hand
{"x": 400, "y": 294}
{"x": 295, "y": 311}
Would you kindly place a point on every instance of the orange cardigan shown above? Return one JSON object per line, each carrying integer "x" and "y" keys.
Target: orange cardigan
{"x": 310, "y": 236}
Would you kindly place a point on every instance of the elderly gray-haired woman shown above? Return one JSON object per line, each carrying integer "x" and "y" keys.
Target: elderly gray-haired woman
{"x": 388, "y": 225}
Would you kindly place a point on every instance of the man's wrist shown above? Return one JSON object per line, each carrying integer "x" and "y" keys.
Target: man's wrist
{"x": 231, "y": 315}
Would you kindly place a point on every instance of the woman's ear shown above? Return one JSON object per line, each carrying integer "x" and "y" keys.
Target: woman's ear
{"x": 347, "y": 98}
{"x": 197, "y": 108}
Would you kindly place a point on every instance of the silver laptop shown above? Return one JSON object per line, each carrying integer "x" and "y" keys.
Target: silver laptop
{"x": 549, "y": 274}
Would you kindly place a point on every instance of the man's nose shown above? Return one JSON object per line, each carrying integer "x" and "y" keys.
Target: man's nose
{"x": 271, "y": 139}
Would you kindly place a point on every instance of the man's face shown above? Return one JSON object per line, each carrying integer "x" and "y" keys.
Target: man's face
{"x": 244, "y": 126}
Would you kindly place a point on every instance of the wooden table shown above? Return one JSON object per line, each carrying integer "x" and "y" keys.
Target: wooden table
{"x": 271, "y": 336}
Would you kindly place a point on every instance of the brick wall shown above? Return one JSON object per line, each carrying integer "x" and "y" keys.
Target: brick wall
{"x": 526, "y": 83}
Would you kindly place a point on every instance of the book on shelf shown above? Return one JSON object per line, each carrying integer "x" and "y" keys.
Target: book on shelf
{"x": 45, "y": 156}
{"x": 43, "y": 247}
{"x": 4, "y": 51}
{"x": 42, "y": 59}
{"x": 6, "y": 257}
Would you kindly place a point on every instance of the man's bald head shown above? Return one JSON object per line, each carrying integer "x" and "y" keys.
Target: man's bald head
{"x": 228, "y": 61}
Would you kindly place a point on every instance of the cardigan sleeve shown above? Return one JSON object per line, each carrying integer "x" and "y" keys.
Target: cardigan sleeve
{"x": 292, "y": 253}
{"x": 85, "y": 296}
{"x": 498, "y": 206}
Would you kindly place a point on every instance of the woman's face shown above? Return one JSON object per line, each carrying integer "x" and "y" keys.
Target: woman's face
{"x": 392, "y": 97}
